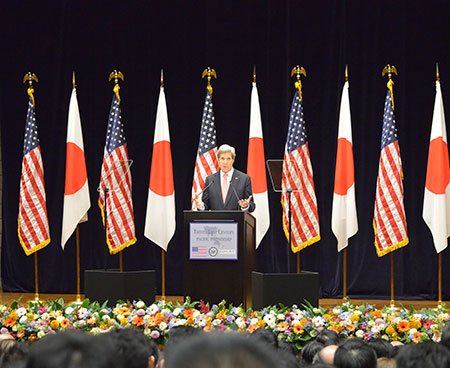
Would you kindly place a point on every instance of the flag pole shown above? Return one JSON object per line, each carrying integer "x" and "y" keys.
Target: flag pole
{"x": 163, "y": 274}
{"x": 392, "y": 281}
{"x": 78, "y": 265}
{"x": 440, "y": 282}
{"x": 344, "y": 255}
{"x": 36, "y": 278}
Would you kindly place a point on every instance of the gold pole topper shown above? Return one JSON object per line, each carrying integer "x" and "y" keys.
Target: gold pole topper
{"x": 162, "y": 79}
{"x": 390, "y": 84}
{"x": 73, "y": 80}
{"x": 30, "y": 77}
{"x": 116, "y": 75}
{"x": 298, "y": 83}
{"x": 437, "y": 73}
{"x": 209, "y": 72}
{"x": 346, "y": 72}
{"x": 254, "y": 73}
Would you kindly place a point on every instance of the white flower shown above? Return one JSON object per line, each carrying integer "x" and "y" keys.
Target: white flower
{"x": 69, "y": 310}
{"x": 412, "y": 331}
{"x": 357, "y": 312}
{"x": 240, "y": 322}
{"x": 45, "y": 316}
{"x": 82, "y": 312}
{"x": 181, "y": 322}
{"x": 270, "y": 320}
{"x": 360, "y": 334}
{"x": 216, "y": 322}
{"x": 140, "y": 304}
{"x": 162, "y": 326}
{"x": 147, "y": 331}
{"x": 106, "y": 318}
{"x": 95, "y": 331}
{"x": 82, "y": 323}
{"x": 336, "y": 310}
{"x": 21, "y": 311}
{"x": 59, "y": 318}
{"x": 254, "y": 321}
{"x": 281, "y": 317}
{"x": 196, "y": 314}
{"x": 238, "y": 310}
{"x": 154, "y": 309}
{"x": 385, "y": 337}
{"x": 165, "y": 311}
{"x": 120, "y": 317}
{"x": 371, "y": 323}
{"x": 14, "y": 328}
{"x": 318, "y": 321}
{"x": 40, "y": 334}
{"x": 375, "y": 330}
{"x": 23, "y": 319}
{"x": 316, "y": 310}
{"x": 397, "y": 320}
{"x": 313, "y": 333}
{"x": 384, "y": 315}
{"x": 176, "y": 311}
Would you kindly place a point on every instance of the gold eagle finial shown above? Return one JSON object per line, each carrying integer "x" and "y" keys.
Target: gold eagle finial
{"x": 209, "y": 73}
{"x": 298, "y": 83}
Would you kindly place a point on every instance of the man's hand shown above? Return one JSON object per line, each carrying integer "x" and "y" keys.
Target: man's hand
{"x": 199, "y": 203}
{"x": 244, "y": 203}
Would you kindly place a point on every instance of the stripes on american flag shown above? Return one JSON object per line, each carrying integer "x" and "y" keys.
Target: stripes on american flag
{"x": 33, "y": 228}
{"x": 389, "y": 220}
{"x": 116, "y": 177}
{"x": 298, "y": 176}
{"x": 206, "y": 161}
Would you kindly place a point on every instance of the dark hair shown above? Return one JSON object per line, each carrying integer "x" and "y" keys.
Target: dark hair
{"x": 445, "y": 338}
{"x": 133, "y": 347}
{"x": 328, "y": 337}
{"x": 178, "y": 335}
{"x": 287, "y": 347}
{"x": 355, "y": 353}
{"x": 287, "y": 360}
{"x": 222, "y": 350}
{"x": 16, "y": 354}
{"x": 72, "y": 349}
{"x": 265, "y": 336}
{"x": 382, "y": 347}
{"x": 423, "y": 355}
{"x": 310, "y": 350}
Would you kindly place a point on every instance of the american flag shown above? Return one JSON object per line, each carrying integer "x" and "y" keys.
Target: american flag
{"x": 389, "y": 221}
{"x": 116, "y": 177}
{"x": 206, "y": 161}
{"x": 298, "y": 176}
{"x": 33, "y": 230}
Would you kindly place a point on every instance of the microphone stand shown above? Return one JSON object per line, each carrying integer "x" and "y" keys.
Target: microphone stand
{"x": 105, "y": 253}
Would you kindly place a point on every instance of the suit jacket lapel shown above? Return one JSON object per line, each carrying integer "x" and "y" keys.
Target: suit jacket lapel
{"x": 217, "y": 186}
{"x": 231, "y": 191}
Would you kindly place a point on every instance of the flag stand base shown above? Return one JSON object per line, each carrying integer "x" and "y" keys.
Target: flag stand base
{"x": 113, "y": 285}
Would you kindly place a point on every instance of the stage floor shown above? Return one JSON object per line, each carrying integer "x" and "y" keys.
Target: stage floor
{"x": 7, "y": 298}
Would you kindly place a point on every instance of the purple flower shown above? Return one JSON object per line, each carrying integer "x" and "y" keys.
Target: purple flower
{"x": 155, "y": 334}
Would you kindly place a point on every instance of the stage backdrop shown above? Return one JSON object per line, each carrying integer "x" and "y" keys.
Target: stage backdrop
{"x": 54, "y": 38}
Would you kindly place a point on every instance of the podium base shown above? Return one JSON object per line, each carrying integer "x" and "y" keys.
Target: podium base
{"x": 286, "y": 288}
{"x": 112, "y": 285}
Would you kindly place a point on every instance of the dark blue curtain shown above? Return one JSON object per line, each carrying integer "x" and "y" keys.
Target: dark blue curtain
{"x": 52, "y": 39}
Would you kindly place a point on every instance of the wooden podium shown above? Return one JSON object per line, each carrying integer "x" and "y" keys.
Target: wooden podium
{"x": 216, "y": 280}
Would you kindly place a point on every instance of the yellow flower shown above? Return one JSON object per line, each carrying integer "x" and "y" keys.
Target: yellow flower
{"x": 13, "y": 315}
{"x": 283, "y": 326}
{"x": 261, "y": 323}
{"x": 415, "y": 324}
{"x": 103, "y": 326}
{"x": 390, "y": 330}
{"x": 54, "y": 324}
{"x": 303, "y": 321}
{"x": 354, "y": 318}
{"x": 65, "y": 323}
{"x": 124, "y": 322}
{"x": 327, "y": 316}
{"x": 297, "y": 329}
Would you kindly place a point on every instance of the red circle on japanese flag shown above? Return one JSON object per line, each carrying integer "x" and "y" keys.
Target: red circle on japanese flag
{"x": 76, "y": 174}
{"x": 345, "y": 175}
{"x": 161, "y": 176}
{"x": 438, "y": 171}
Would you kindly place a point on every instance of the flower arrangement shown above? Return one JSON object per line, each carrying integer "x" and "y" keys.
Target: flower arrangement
{"x": 292, "y": 324}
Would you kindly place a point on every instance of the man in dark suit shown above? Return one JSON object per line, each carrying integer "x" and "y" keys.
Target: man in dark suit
{"x": 228, "y": 183}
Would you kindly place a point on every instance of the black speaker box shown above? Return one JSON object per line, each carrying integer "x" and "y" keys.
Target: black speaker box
{"x": 112, "y": 285}
{"x": 286, "y": 288}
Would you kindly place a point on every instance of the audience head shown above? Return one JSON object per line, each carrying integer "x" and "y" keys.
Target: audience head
{"x": 445, "y": 338}
{"x": 355, "y": 353}
{"x": 386, "y": 363}
{"x": 310, "y": 350}
{"x": 382, "y": 348}
{"x": 5, "y": 344}
{"x": 326, "y": 355}
{"x": 423, "y": 355}
{"x": 134, "y": 348}
{"x": 266, "y": 336}
{"x": 328, "y": 337}
{"x": 286, "y": 347}
{"x": 72, "y": 349}
{"x": 178, "y": 335}
{"x": 16, "y": 355}
{"x": 222, "y": 350}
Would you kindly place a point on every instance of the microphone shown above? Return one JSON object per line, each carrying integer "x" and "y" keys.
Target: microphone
{"x": 234, "y": 190}
{"x": 196, "y": 196}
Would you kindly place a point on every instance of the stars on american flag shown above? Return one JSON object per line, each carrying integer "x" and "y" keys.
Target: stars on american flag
{"x": 297, "y": 134}
{"x": 31, "y": 140}
{"x": 389, "y": 133}
{"x": 208, "y": 130}
{"x": 116, "y": 137}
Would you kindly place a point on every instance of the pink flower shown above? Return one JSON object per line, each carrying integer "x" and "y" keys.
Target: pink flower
{"x": 140, "y": 312}
{"x": 42, "y": 310}
{"x": 154, "y": 334}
